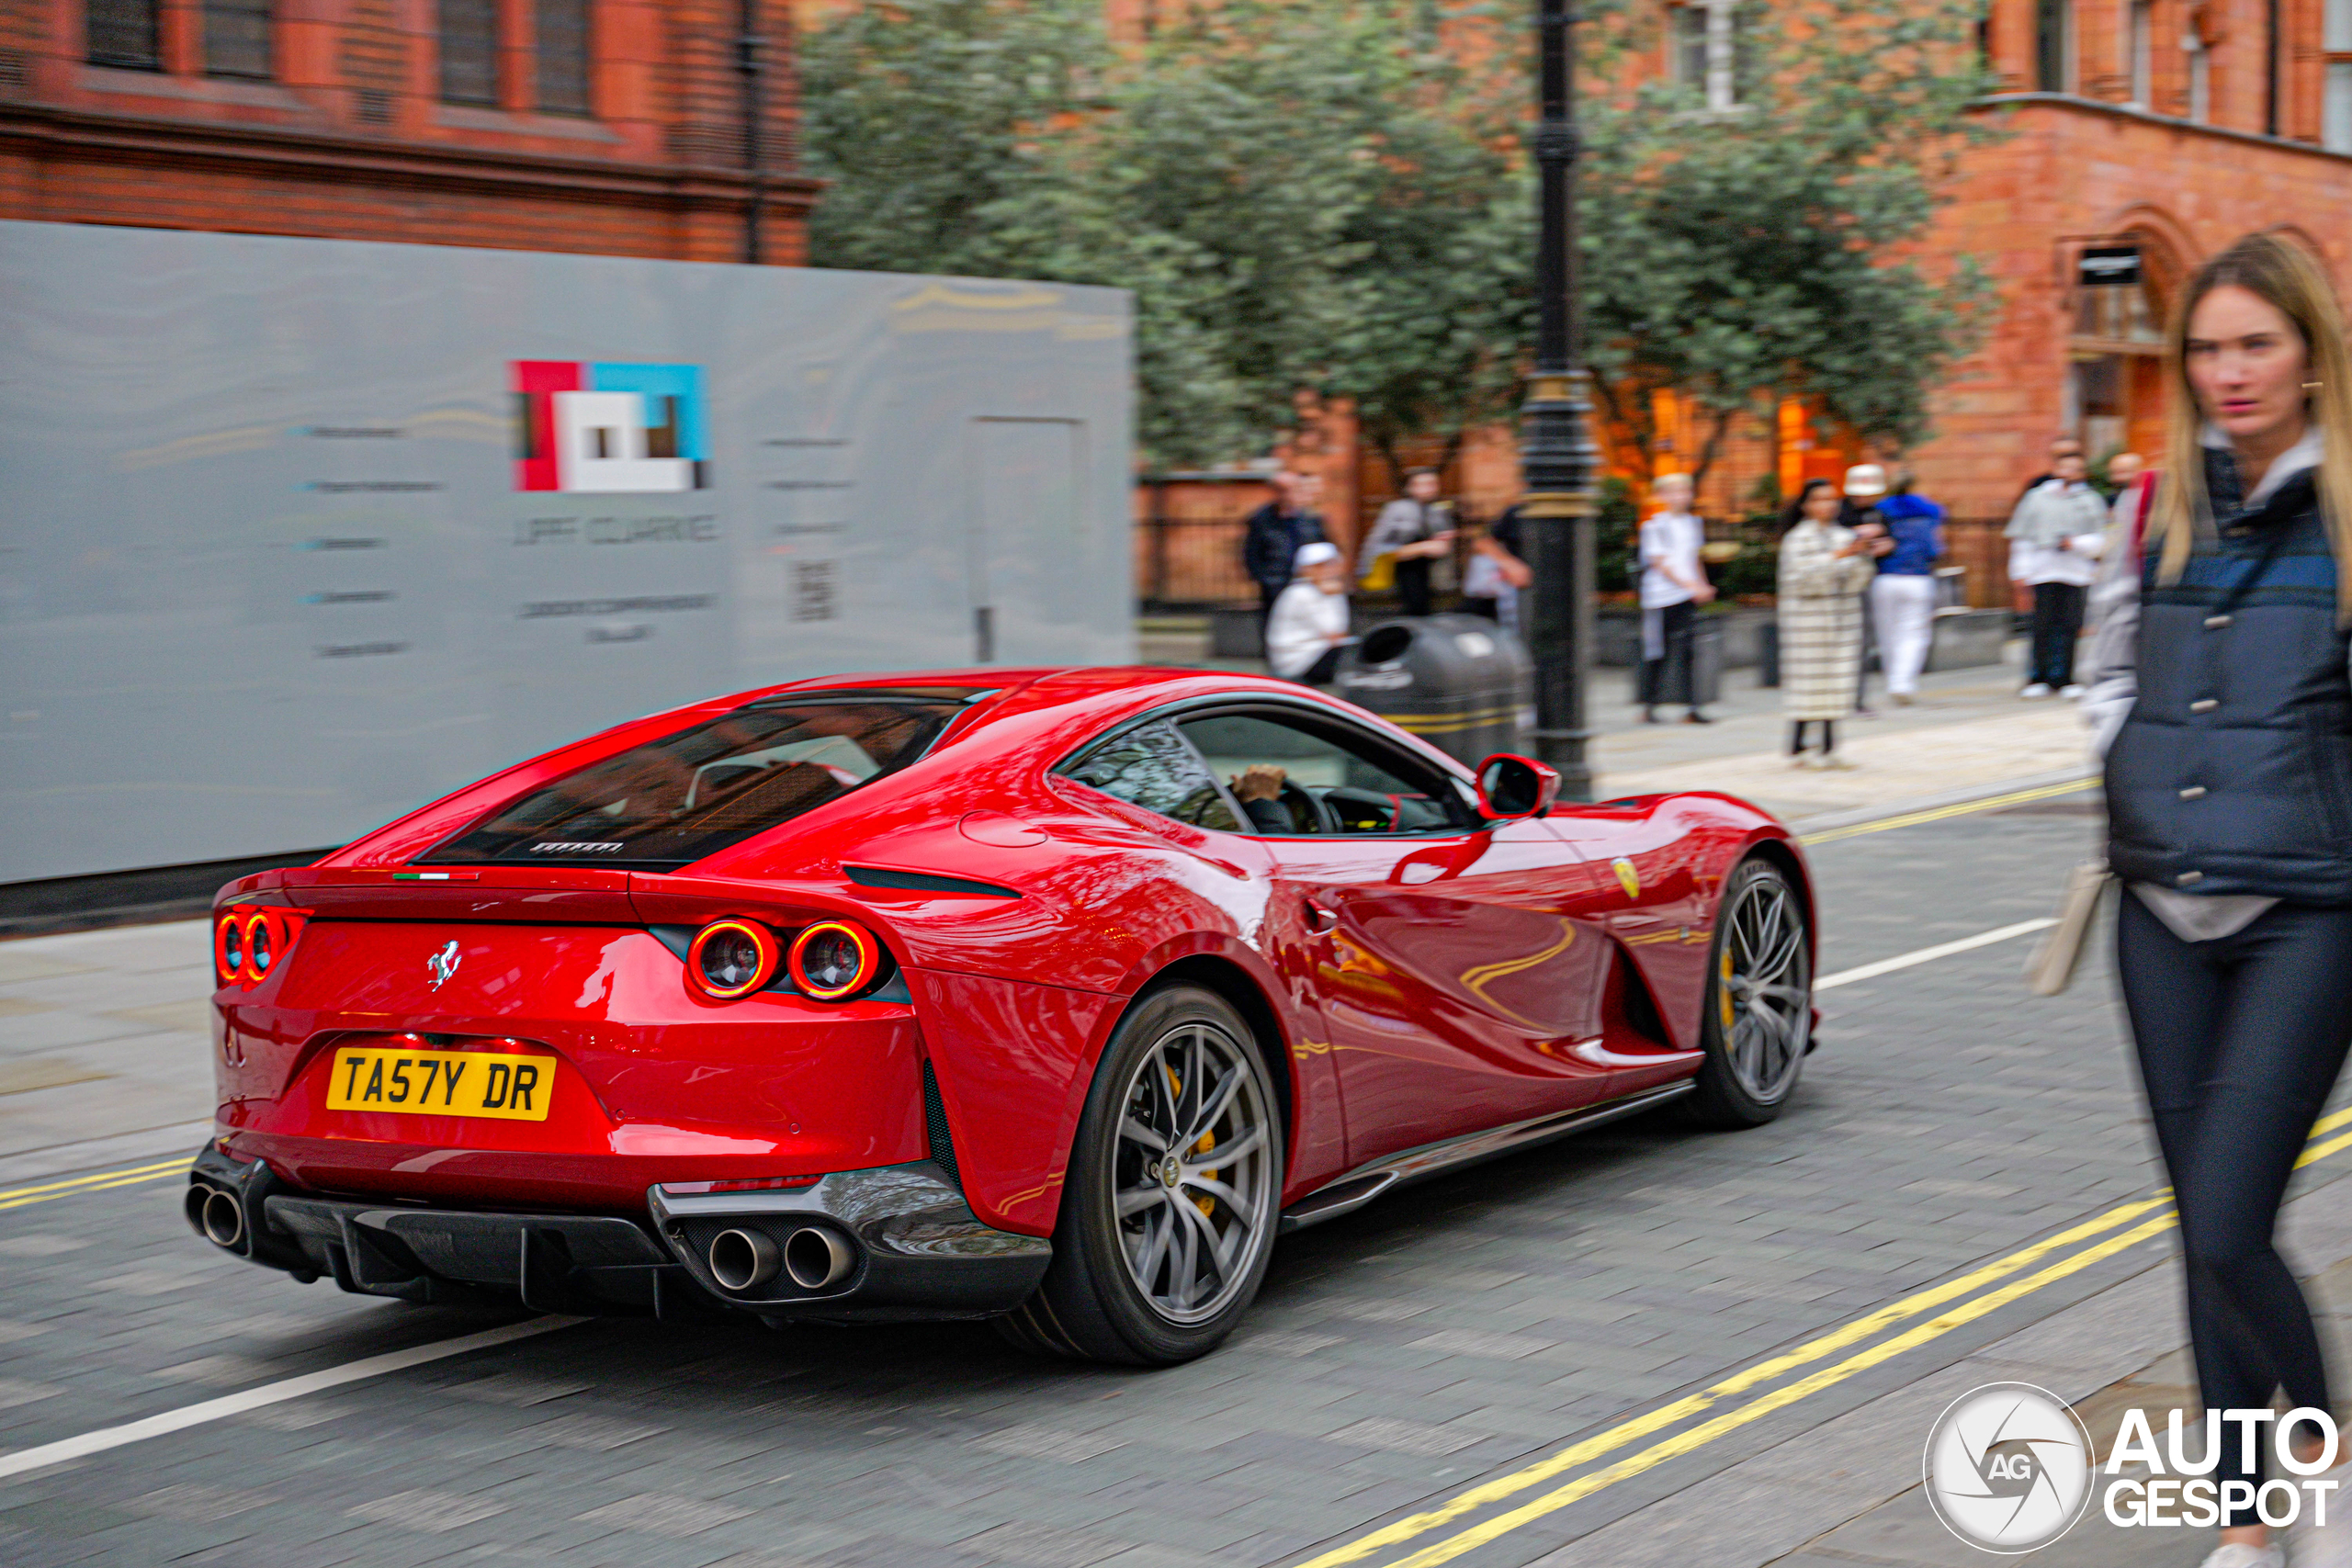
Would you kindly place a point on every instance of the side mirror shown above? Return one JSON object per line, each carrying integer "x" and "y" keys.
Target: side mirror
{"x": 1512, "y": 786}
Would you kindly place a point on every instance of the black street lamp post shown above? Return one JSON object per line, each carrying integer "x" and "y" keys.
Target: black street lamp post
{"x": 1557, "y": 453}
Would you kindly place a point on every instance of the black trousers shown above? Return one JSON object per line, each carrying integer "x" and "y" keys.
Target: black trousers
{"x": 1668, "y": 677}
{"x": 1320, "y": 672}
{"x": 1413, "y": 584}
{"x": 2057, "y": 623}
{"x": 2240, "y": 1040}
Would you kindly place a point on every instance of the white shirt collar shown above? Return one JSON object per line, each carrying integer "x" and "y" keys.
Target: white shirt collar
{"x": 2303, "y": 454}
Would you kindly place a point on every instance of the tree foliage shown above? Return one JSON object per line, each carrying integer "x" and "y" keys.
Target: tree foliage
{"x": 1328, "y": 196}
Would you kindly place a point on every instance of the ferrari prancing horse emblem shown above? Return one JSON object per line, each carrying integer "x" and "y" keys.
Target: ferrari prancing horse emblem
{"x": 1627, "y": 877}
{"x": 443, "y": 965}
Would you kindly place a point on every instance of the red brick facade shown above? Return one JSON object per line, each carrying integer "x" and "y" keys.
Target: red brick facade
{"x": 350, "y": 134}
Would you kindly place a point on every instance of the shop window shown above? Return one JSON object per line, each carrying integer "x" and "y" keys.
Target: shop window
{"x": 1705, "y": 50}
{"x": 121, "y": 33}
{"x": 563, "y": 54}
{"x": 236, "y": 38}
{"x": 468, "y": 41}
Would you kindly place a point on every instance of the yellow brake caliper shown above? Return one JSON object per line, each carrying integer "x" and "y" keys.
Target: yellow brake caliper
{"x": 1722, "y": 989}
{"x": 1208, "y": 1206}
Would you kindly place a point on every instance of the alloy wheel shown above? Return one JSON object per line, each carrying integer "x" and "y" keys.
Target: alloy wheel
{"x": 1764, "y": 990}
{"x": 1193, "y": 1181}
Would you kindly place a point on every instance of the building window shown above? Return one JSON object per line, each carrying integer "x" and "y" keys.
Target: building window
{"x": 562, "y": 31}
{"x": 2336, "y": 111}
{"x": 2140, "y": 41}
{"x": 2201, "y": 79}
{"x": 1705, "y": 50}
{"x": 2053, "y": 25}
{"x": 236, "y": 38}
{"x": 469, "y": 38}
{"x": 122, "y": 34}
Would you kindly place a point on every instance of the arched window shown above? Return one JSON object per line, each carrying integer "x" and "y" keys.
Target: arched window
{"x": 2114, "y": 393}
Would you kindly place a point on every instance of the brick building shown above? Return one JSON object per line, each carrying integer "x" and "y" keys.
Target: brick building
{"x": 617, "y": 127}
{"x": 2165, "y": 127}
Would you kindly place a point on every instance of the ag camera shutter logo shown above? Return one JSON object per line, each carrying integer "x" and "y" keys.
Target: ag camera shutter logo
{"x": 2008, "y": 1468}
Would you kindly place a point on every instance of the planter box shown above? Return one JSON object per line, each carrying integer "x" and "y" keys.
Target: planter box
{"x": 1965, "y": 639}
{"x": 1617, "y": 635}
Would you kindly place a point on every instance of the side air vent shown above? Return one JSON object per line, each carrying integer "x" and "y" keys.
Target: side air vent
{"x": 934, "y": 1116}
{"x": 925, "y": 882}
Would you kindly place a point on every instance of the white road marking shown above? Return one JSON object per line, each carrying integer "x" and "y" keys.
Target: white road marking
{"x": 272, "y": 1394}
{"x": 1929, "y": 954}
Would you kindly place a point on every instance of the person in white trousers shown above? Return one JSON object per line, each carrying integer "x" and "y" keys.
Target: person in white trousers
{"x": 1903, "y": 596}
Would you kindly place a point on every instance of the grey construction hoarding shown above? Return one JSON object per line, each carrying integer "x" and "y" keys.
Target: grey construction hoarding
{"x": 298, "y": 534}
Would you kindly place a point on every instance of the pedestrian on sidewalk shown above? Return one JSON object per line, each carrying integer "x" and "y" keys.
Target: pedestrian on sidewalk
{"x": 1903, "y": 596}
{"x": 1865, "y": 487}
{"x": 1412, "y": 534}
{"x": 1674, "y": 584}
{"x": 1491, "y": 583}
{"x": 1272, "y": 534}
{"x": 1307, "y": 628}
{"x": 1824, "y": 569}
{"x": 2056, "y": 537}
{"x": 2223, "y": 700}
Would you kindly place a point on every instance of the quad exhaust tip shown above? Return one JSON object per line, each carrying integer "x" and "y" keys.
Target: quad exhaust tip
{"x": 812, "y": 1258}
{"x": 816, "y": 1257}
{"x": 215, "y": 1216}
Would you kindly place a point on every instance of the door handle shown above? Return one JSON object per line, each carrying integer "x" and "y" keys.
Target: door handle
{"x": 1321, "y": 917}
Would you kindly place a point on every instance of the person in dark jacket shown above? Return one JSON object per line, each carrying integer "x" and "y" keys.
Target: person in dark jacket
{"x": 1273, "y": 536}
{"x": 2223, "y": 696}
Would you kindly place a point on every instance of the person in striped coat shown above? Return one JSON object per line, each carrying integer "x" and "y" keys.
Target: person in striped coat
{"x": 1825, "y": 568}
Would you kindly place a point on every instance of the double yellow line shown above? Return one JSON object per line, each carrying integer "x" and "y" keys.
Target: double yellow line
{"x": 18, "y": 1196}
{"x": 1942, "y": 1308}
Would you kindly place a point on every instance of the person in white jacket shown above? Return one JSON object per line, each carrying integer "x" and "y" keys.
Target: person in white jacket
{"x": 2056, "y": 540}
{"x": 1308, "y": 625}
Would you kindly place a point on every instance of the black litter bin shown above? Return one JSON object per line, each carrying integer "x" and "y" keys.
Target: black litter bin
{"x": 1705, "y": 674}
{"x": 1461, "y": 682}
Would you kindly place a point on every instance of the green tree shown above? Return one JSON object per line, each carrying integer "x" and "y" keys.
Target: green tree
{"x": 1739, "y": 256}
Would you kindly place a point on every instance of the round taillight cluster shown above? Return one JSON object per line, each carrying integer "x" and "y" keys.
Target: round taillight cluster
{"x": 835, "y": 959}
{"x": 732, "y": 958}
{"x": 832, "y": 961}
{"x": 247, "y": 943}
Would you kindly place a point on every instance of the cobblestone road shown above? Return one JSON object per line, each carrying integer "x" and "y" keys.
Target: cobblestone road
{"x": 1449, "y": 1332}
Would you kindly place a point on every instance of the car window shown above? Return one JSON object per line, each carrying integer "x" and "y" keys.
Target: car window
{"x": 1150, "y": 766}
{"x": 1315, "y": 778}
{"x": 669, "y": 802}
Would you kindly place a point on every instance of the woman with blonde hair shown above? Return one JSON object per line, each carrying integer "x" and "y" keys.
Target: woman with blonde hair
{"x": 2223, "y": 697}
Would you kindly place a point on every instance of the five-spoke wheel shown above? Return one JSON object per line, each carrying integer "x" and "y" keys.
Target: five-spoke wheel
{"x": 1759, "y": 1018}
{"x": 1169, "y": 1210}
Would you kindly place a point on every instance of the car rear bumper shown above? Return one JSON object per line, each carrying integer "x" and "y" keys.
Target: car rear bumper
{"x": 897, "y": 1243}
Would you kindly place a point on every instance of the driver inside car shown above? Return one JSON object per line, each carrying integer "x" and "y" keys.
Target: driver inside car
{"x": 1259, "y": 788}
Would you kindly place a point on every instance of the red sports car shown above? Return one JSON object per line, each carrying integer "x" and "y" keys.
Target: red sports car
{"x": 1048, "y": 996}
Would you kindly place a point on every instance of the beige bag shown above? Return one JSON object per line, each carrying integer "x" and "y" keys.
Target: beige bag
{"x": 2051, "y": 968}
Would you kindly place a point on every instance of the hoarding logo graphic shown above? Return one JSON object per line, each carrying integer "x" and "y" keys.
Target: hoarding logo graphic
{"x": 609, "y": 428}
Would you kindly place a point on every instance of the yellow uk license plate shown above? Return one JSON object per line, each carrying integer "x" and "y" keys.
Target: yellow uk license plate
{"x": 443, "y": 1083}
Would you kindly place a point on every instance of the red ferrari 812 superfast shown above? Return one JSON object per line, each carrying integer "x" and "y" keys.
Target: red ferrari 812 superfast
{"x": 1046, "y": 996}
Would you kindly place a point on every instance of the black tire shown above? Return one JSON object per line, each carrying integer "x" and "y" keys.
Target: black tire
{"x": 1757, "y": 1022}
{"x": 1092, "y": 1305}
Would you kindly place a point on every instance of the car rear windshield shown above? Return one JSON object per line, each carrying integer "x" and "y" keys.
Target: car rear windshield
{"x": 675, "y": 800}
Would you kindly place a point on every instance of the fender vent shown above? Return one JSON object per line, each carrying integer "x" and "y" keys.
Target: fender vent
{"x": 934, "y": 1116}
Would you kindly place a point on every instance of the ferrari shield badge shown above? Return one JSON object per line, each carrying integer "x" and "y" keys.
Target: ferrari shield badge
{"x": 1627, "y": 877}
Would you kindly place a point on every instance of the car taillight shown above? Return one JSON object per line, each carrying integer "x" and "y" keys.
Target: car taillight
{"x": 262, "y": 944}
{"x": 835, "y": 959}
{"x": 228, "y": 949}
{"x": 248, "y": 943}
{"x": 732, "y": 958}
